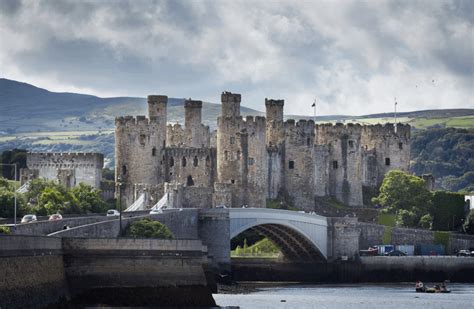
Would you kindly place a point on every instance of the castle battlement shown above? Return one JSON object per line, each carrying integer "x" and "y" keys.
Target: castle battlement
{"x": 157, "y": 99}
{"x": 301, "y": 124}
{"x": 188, "y": 152}
{"x": 227, "y": 96}
{"x": 192, "y": 103}
{"x": 272, "y": 102}
{"x": 139, "y": 121}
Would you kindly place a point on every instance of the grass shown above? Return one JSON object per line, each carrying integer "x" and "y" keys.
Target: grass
{"x": 387, "y": 235}
{"x": 456, "y": 122}
{"x": 387, "y": 219}
{"x": 264, "y": 248}
{"x": 442, "y": 238}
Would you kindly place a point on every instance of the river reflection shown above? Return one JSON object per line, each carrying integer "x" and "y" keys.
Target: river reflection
{"x": 350, "y": 296}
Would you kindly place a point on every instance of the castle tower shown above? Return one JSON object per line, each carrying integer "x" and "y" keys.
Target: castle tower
{"x": 232, "y": 148}
{"x": 139, "y": 149}
{"x": 192, "y": 123}
{"x": 157, "y": 108}
{"x": 275, "y": 127}
{"x": 230, "y": 104}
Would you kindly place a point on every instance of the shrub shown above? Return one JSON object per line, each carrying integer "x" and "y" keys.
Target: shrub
{"x": 5, "y": 230}
{"x": 147, "y": 228}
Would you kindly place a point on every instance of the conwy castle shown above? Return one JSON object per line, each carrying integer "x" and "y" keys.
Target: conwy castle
{"x": 249, "y": 160}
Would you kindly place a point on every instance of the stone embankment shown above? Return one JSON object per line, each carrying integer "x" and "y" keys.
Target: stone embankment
{"x": 40, "y": 271}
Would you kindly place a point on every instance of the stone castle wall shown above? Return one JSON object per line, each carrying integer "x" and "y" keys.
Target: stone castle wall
{"x": 255, "y": 158}
{"x": 69, "y": 169}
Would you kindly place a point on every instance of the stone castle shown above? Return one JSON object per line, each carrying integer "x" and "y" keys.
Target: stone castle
{"x": 249, "y": 160}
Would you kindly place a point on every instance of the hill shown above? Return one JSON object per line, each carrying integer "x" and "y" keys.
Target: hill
{"x": 26, "y": 108}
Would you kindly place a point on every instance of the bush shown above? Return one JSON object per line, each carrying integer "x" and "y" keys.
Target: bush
{"x": 5, "y": 230}
{"x": 147, "y": 228}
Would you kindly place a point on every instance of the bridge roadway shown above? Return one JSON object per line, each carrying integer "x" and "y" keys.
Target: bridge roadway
{"x": 300, "y": 236}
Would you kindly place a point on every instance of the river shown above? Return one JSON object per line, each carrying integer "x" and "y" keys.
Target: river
{"x": 349, "y": 296}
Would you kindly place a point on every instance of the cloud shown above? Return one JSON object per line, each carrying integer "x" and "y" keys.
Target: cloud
{"x": 354, "y": 56}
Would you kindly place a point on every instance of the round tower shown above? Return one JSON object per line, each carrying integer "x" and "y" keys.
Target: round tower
{"x": 192, "y": 123}
{"x": 230, "y": 104}
{"x": 275, "y": 127}
{"x": 157, "y": 108}
{"x": 232, "y": 148}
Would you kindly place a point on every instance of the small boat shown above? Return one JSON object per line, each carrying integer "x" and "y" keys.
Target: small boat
{"x": 438, "y": 288}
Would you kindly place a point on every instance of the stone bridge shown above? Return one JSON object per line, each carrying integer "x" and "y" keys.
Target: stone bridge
{"x": 300, "y": 236}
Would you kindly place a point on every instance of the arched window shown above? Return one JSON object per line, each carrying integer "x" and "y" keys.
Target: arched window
{"x": 153, "y": 152}
{"x": 124, "y": 170}
{"x": 196, "y": 161}
{"x": 208, "y": 161}
{"x": 171, "y": 162}
{"x": 183, "y": 162}
{"x": 190, "y": 181}
{"x": 308, "y": 141}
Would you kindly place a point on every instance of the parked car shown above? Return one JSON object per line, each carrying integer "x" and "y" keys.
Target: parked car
{"x": 156, "y": 211}
{"x": 372, "y": 251}
{"x": 463, "y": 253}
{"x": 29, "y": 219}
{"x": 395, "y": 253}
{"x": 55, "y": 217}
{"x": 113, "y": 213}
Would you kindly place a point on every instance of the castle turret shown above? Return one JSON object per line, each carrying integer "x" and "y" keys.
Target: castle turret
{"x": 232, "y": 148}
{"x": 230, "y": 104}
{"x": 275, "y": 127}
{"x": 139, "y": 149}
{"x": 157, "y": 108}
{"x": 193, "y": 129}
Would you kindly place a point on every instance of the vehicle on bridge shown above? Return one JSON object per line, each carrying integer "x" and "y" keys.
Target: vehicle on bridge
{"x": 55, "y": 217}
{"x": 29, "y": 219}
{"x": 113, "y": 213}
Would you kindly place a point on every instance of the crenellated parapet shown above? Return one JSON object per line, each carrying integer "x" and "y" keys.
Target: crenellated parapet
{"x": 230, "y": 104}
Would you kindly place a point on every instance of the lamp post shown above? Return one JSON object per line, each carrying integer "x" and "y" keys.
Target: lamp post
{"x": 14, "y": 212}
{"x": 119, "y": 180}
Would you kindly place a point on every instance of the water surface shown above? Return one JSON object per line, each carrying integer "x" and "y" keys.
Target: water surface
{"x": 350, "y": 296}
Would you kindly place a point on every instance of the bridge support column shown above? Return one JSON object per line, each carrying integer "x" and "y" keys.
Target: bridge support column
{"x": 214, "y": 232}
{"x": 343, "y": 237}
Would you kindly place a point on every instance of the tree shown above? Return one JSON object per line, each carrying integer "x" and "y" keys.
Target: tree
{"x": 406, "y": 196}
{"x": 88, "y": 199}
{"x": 147, "y": 228}
{"x": 468, "y": 226}
{"x": 447, "y": 210}
{"x": 50, "y": 201}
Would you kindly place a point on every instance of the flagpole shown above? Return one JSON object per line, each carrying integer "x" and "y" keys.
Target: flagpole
{"x": 395, "y": 115}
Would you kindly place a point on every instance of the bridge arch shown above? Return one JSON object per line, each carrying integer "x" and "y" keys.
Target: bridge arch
{"x": 299, "y": 236}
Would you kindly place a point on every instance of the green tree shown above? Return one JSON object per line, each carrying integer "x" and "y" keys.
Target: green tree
{"x": 50, "y": 201}
{"x": 447, "y": 210}
{"x": 147, "y": 228}
{"x": 406, "y": 196}
{"x": 88, "y": 199}
{"x": 7, "y": 203}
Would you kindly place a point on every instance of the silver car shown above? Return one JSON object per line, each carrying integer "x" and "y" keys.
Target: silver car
{"x": 29, "y": 219}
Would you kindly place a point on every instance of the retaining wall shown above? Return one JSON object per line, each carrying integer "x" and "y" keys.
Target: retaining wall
{"x": 31, "y": 271}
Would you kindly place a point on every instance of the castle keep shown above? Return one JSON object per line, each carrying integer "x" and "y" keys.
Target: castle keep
{"x": 252, "y": 159}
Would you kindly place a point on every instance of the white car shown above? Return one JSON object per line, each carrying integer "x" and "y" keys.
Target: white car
{"x": 156, "y": 211}
{"x": 29, "y": 218}
{"x": 113, "y": 213}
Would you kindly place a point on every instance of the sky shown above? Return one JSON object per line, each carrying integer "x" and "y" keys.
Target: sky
{"x": 352, "y": 57}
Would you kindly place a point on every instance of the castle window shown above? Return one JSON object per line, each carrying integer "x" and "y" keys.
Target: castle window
{"x": 251, "y": 161}
{"x": 232, "y": 140}
{"x": 238, "y": 155}
{"x": 183, "y": 162}
{"x": 308, "y": 141}
{"x": 142, "y": 139}
{"x": 196, "y": 161}
{"x": 351, "y": 144}
{"x": 153, "y": 152}
{"x": 226, "y": 155}
{"x": 334, "y": 165}
{"x": 291, "y": 165}
{"x": 208, "y": 161}
{"x": 232, "y": 181}
{"x": 387, "y": 161}
{"x": 190, "y": 181}
{"x": 400, "y": 146}
{"x": 171, "y": 162}
{"x": 124, "y": 170}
